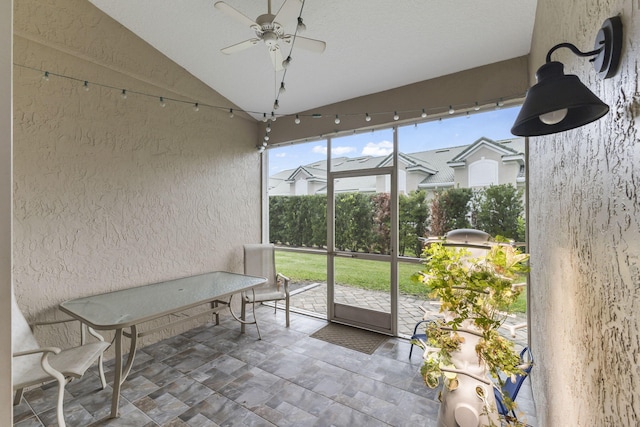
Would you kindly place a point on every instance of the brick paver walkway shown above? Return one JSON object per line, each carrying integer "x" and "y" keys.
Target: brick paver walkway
{"x": 313, "y": 298}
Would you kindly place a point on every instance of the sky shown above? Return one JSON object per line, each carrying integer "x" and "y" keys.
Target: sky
{"x": 450, "y": 132}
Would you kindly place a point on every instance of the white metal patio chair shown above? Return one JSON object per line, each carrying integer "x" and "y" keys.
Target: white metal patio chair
{"x": 34, "y": 365}
{"x": 259, "y": 260}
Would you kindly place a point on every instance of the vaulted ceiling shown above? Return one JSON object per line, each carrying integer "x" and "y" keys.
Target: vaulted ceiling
{"x": 371, "y": 45}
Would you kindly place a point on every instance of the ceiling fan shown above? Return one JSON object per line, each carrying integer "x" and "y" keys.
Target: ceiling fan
{"x": 269, "y": 29}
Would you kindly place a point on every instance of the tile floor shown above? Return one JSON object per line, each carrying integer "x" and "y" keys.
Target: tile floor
{"x": 213, "y": 376}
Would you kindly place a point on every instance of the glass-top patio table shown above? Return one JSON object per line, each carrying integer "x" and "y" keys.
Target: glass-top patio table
{"x": 128, "y": 308}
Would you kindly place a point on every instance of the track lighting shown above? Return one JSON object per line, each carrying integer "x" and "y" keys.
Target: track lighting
{"x": 560, "y": 102}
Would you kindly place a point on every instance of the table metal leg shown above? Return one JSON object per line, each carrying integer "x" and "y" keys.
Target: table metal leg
{"x": 115, "y": 398}
{"x": 121, "y": 375}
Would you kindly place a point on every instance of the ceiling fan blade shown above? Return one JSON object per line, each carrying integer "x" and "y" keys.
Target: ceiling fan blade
{"x": 310, "y": 44}
{"x": 240, "y": 46}
{"x": 233, "y": 13}
{"x": 276, "y": 58}
{"x": 288, "y": 12}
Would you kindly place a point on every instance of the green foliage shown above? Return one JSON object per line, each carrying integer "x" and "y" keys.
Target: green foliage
{"x": 298, "y": 220}
{"x": 455, "y": 204}
{"x": 354, "y": 219}
{"x": 499, "y": 211}
{"x": 363, "y": 220}
{"x": 474, "y": 293}
{"x": 382, "y": 222}
{"x": 413, "y": 221}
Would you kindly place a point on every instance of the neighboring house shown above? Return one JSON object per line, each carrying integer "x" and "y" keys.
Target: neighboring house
{"x": 480, "y": 164}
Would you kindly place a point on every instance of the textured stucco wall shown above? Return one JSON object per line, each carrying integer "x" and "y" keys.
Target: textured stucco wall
{"x": 584, "y": 233}
{"x": 6, "y": 19}
{"x": 111, "y": 193}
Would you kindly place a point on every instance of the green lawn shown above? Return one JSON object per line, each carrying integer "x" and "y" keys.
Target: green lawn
{"x": 366, "y": 274}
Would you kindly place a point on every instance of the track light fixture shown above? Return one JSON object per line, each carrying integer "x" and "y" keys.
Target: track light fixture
{"x": 559, "y": 102}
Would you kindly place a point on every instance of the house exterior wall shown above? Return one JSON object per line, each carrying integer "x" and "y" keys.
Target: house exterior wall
{"x": 111, "y": 193}
{"x": 584, "y": 232}
{"x": 505, "y": 172}
{"x": 509, "y": 170}
{"x": 413, "y": 179}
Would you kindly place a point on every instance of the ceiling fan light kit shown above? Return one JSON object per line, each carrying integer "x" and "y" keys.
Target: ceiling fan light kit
{"x": 269, "y": 29}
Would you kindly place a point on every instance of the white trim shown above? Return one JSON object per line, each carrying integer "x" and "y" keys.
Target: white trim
{"x": 437, "y": 185}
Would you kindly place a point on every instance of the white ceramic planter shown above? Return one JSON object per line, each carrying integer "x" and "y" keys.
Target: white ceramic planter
{"x": 472, "y": 403}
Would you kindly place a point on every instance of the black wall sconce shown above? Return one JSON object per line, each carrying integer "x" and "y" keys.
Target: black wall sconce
{"x": 559, "y": 102}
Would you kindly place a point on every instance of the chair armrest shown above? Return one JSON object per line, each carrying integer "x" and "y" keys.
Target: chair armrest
{"x": 92, "y": 332}
{"x": 286, "y": 281}
{"x": 415, "y": 329}
{"x": 44, "y": 362}
{"x": 51, "y": 322}
{"x": 45, "y": 350}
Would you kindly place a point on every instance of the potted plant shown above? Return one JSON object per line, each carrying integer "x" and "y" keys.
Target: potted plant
{"x": 475, "y": 291}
